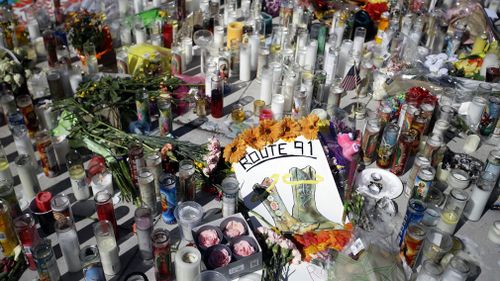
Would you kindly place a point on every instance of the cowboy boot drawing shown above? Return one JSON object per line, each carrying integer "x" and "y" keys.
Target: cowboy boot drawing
{"x": 304, "y": 207}
{"x": 275, "y": 206}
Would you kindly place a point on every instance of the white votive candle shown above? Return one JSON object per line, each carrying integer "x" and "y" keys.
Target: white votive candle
{"x": 187, "y": 264}
{"x": 266, "y": 85}
{"x": 244, "y": 63}
{"x": 218, "y": 36}
{"x": 140, "y": 35}
{"x": 102, "y": 181}
{"x": 254, "y": 51}
{"x": 277, "y": 106}
{"x": 312, "y": 50}
{"x": 187, "y": 49}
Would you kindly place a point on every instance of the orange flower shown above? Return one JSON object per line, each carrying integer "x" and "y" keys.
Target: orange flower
{"x": 310, "y": 126}
{"x": 269, "y": 131}
{"x": 252, "y": 138}
{"x": 235, "y": 151}
{"x": 289, "y": 129}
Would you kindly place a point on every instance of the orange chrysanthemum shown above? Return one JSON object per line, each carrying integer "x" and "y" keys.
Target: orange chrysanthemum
{"x": 235, "y": 151}
{"x": 269, "y": 131}
{"x": 289, "y": 129}
{"x": 310, "y": 125}
{"x": 253, "y": 139}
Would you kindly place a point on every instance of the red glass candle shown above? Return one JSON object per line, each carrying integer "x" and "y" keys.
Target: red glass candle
{"x": 168, "y": 34}
{"x": 161, "y": 254}
{"x": 266, "y": 114}
{"x": 217, "y": 98}
{"x": 28, "y": 235}
{"x": 50, "y": 43}
{"x": 105, "y": 209}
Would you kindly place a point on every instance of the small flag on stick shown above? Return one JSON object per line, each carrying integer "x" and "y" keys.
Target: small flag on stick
{"x": 351, "y": 80}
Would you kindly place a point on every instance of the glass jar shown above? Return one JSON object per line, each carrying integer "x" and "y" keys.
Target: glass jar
{"x": 457, "y": 270}
{"x": 147, "y": 189}
{"x": 230, "y": 188}
{"x": 8, "y": 194}
{"x": 25, "y": 227}
{"x": 9, "y": 240}
{"x": 108, "y": 248}
{"x": 143, "y": 218}
{"x": 77, "y": 176}
{"x": 479, "y": 196}
{"x": 166, "y": 117}
{"x": 47, "y": 153}
{"x": 61, "y": 207}
{"x": 5, "y": 172}
{"x": 436, "y": 245}
{"x": 135, "y": 161}
{"x": 25, "y": 105}
{"x": 238, "y": 114}
{"x": 429, "y": 272}
{"x": 153, "y": 162}
{"x": 91, "y": 264}
{"x": 217, "y": 98}
{"x": 161, "y": 252}
{"x": 187, "y": 183}
{"x": 46, "y": 263}
{"x": 452, "y": 210}
{"x": 458, "y": 179}
{"x": 105, "y": 209}
{"x": 68, "y": 241}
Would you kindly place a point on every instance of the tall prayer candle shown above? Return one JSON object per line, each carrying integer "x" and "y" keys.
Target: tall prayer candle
{"x": 254, "y": 50}
{"x": 312, "y": 50}
{"x": 218, "y": 36}
{"x": 277, "y": 106}
{"x": 108, "y": 249}
{"x": 245, "y": 62}
{"x": 266, "y": 85}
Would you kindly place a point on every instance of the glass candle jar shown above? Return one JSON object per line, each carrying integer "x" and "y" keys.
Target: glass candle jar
{"x": 166, "y": 117}
{"x": 153, "y": 162}
{"x": 135, "y": 161}
{"x": 27, "y": 175}
{"x": 9, "y": 240}
{"x": 25, "y": 227}
{"x": 47, "y": 154}
{"x": 77, "y": 176}
{"x": 105, "y": 209}
{"x": 5, "y": 172}
{"x": 188, "y": 215}
{"x": 161, "y": 252}
{"x": 457, "y": 270}
{"x": 23, "y": 142}
{"x": 168, "y": 197}
{"x": 61, "y": 207}
{"x": 458, "y": 179}
{"x": 230, "y": 188}
{"x": 25, "y": 105}
{"x": 68, "y": 241}
{"x": 423, "y": 182}
{"x": 452, "y": 210}
{"x": 143, "y": 218}
{"x": 430, "y": 272}
{"x": 479, "y": 196}
{"x": 187, "y": 183}
{"x": 91, "y": 264}
{"x": 436, "y": 245}
{"x": 419, "y": 162}
{"x": 8, "y": 194}
{"x": 108, "y": 249}
{"x": 147, "y": 189}
{"x": 217, "y": 97}
{"x": 46, "y": 263}
{"x": 237, "y": 113}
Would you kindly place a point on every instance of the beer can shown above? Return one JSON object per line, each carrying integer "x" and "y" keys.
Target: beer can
{"x": 423, "y": 182}
{"x": 414, "y": 214}
{"x": 168, "y": 197}
{"x": 412, "y": 242}
{"x": 403, "y": 150}
{"x": 369, "y": 140}
{"x": 387, "y": 144}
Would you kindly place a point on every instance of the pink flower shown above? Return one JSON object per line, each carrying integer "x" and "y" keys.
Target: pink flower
{"x": 297, "y": 257}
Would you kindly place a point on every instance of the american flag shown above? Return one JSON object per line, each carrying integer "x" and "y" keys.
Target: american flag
{"x": 351, "y": 80}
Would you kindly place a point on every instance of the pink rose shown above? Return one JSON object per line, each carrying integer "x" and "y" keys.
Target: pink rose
{"x": 208, "y": 238}
{"x": 243, "y": 249}
{"x": 219, "y": 258}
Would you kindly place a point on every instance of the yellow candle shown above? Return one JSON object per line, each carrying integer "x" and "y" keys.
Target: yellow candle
{"x": 234, "y": 32}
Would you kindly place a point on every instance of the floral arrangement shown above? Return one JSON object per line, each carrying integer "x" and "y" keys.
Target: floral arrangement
{"x": 269, "y": 132}
{"x": 84, "y": 26}
{"x": 375, "y": 8}
{"x": 316, "y": 244}
{"x": 279, "y": 252}
{"x": 212, "y": 157}
{"x": 12, "y": 73}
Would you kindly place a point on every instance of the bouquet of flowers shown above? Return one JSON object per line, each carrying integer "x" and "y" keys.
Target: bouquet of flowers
{"x": 11, "y": 73}
{"x": 84, "y": 27}
{"x": 317, "y": 244}
{"x": 279, "y": 253}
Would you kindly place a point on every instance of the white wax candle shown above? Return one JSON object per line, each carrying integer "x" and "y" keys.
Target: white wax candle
{"x": 40, "y": 47}
{"x": 24, "y": 145}
{"x": 70, "y": 248}
{"x": 140, "y": 35}
{"x": 287, "y": 91}
{"x": 244, "y": 63}
{"x": 74, "y": 81}
{"x": 187, "y": 264}
{"x": 218, "y": 36}
{"x": 357, "y": 46}
{"x": 265, "y": 86}
{"x": 301, "y": 57}
{"x": 277, "y": 106}
{"x": 254, "y": 51}
{"x": 29, "y": 181}
{"x": 122, "y": 7}
{"x": 61, "y": 147}
{"x": 157, "y": 40}
{"x": 156, "y": 3}
{"x": 187, "y": 49}
{"x": 475, "y": 111}
{"x": 138, "y": 7}
{"x": 110, "y": 259}
{"x": 312, "y": 50}
{"x": 475, "y": 206}
{"x": 33, "y": 29}
{"x": 102, "y": 181}
{"x": 126, "y": 36}
{"x": 208, "y": 84}
{"x": 344, "y": 56}
{"x": 339, "y": 32}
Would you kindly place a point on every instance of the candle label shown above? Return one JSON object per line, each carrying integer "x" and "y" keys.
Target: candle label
{"x": 165, "y": 121}
{"x": 94, "y": 273}
{"x": 421, "y": 188}
{"x": 176, "y": 63}
{"x": 223, "y": 66}
{"x": 162, "y": 262}
{"x": 168, "y": 199}
{"x": 78, "y": 184}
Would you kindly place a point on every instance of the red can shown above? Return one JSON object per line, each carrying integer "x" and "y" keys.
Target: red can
{"x": 403, "y": 150}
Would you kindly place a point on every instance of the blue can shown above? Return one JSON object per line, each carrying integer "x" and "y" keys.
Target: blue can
{"x": 414, "y": 214}
{"x": 168, "y": 197}
{"x": 15, "y": 119}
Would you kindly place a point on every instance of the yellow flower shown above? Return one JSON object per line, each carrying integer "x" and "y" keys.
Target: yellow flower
{"x": 253, "y": 138}
{"x": 235, "y": 151}
{"x": 289, "y": 129}
{"x": 269, "y": 131}
{"x": 309, "y": 126}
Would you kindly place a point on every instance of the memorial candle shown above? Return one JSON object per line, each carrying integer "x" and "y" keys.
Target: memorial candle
{"x": 105, "y": 209}
{"x": 245, "y": 63}
{"x": 25, "y": 227}
{"x": 108, "y": 249}
{"x": 68, "y": 241}
{"x": 266, "y": 85}
{"x": 187, "y": 263}
{"x": 144, "y": 227}
{"x": 27, "y": 175}
{"x": 277, "y": 106}
{"x": 254, "y": 51}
